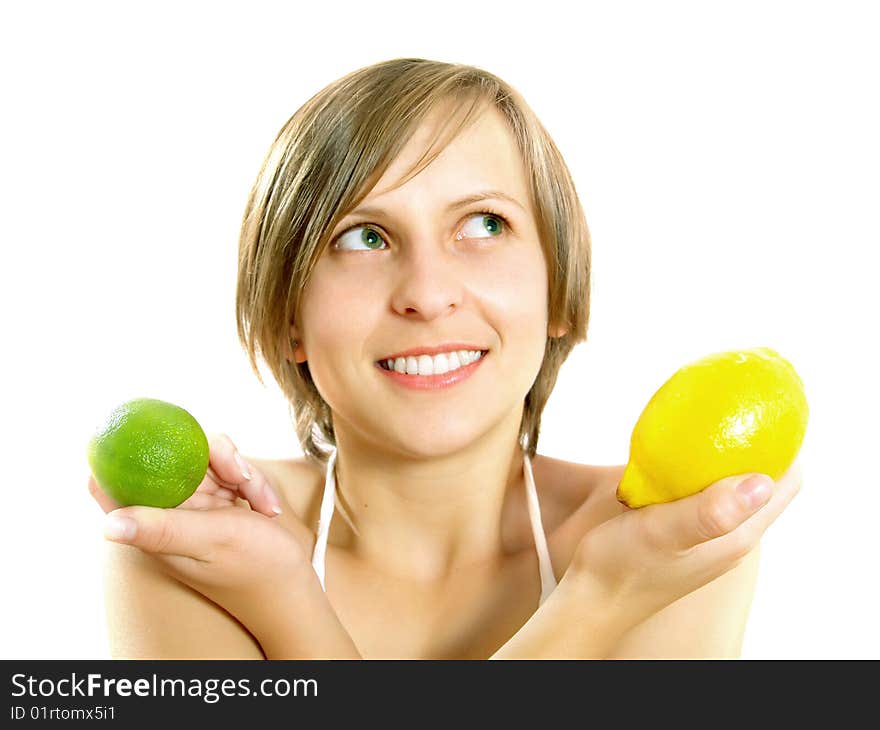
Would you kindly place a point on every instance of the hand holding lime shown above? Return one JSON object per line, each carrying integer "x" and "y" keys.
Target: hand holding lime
{"x": 149, "y": 452}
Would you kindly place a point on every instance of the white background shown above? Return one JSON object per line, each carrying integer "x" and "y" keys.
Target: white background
{"x": 726, "y": 155}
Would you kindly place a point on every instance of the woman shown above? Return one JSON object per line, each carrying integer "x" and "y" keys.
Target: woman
{"x": 414, "y": 269}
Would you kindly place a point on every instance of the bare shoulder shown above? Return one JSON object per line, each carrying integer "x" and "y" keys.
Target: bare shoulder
{"x": 298, "y": 483}
{"x": 569, "y": 486}
{"x": 574, "y": 498}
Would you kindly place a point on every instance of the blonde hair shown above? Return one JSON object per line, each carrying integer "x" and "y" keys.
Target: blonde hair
{"x": 325, "y": 160}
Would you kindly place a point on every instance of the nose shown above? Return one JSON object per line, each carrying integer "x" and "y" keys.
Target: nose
{"x": 428, "y": 282}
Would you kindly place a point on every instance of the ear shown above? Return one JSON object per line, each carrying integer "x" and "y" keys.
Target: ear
{"x": 298, "y": 354}
{"x": 557, "y": 330}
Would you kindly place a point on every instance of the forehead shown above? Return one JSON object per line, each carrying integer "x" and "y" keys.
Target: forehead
{"x": 483, "y": 156}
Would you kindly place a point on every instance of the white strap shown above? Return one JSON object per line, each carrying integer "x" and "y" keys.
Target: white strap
{"x": 327, "y": 503}
{"x": 545, "y": 566}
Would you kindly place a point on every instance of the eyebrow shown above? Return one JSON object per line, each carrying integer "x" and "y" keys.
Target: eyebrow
{"x": 459, "y": 203}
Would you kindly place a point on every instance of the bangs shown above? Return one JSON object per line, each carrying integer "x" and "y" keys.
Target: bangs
{"x": 382, "y": 145}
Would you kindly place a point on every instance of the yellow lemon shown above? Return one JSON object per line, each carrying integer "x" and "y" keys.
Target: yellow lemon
{"x": 149, "y": 452}
{"x": 734, "y": 412}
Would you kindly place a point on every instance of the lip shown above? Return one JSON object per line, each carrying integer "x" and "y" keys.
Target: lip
{"x": 434, "y": 382}
{"x": 433, "y": 350}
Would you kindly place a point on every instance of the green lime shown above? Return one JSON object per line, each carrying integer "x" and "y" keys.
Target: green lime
{"x": 149, "y": 452}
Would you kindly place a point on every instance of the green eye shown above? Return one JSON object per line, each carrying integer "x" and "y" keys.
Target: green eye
{"x": 370, "y": 238}
{"x": 494, "y": 223}
{"x": 357, "y": 237}
{"x": 489, "y": 223}
{"x": 360, "y": 235}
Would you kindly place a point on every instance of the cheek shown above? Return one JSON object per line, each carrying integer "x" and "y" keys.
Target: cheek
{"x": 515, "y": 287}
{"x": 335, "y": 313}
{"x": 332, "y": 318}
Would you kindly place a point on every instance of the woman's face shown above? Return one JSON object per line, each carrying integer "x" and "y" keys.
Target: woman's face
{"x": 416, "y": 271}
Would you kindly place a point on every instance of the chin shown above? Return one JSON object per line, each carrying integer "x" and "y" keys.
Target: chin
{"x": 426, "y": 441}
{"x": 439, "y": 442}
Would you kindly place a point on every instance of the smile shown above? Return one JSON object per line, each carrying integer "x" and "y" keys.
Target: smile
{"x": 433, "y": 372}
{"x": 432, "y": 364}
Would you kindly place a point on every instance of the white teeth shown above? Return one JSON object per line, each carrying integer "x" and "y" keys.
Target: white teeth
{"x": 436, "y": 365}
{"x": 426, "y": 365}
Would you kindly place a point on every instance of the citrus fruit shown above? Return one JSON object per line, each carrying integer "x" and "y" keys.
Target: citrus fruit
{"x": 149, "y": 452}
{"x": 729, "y": 413}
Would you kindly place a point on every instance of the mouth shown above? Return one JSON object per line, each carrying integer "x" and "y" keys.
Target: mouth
{"x": 427, "y": 365}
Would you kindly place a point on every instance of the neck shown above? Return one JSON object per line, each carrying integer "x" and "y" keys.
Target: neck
{"x": 423, "y": 517}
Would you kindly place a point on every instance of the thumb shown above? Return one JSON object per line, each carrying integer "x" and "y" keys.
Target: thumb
{"x": 718, "y": 509}
{"x": 167, "y": 531}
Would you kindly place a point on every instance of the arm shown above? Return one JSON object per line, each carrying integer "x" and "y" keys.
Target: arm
{"x": 218, "y": 576}
{"x": 708, "y": 623}
{"x": 673, "y": 579}
{"x": 577, "y": 622}
{"x": 151, "y": 615}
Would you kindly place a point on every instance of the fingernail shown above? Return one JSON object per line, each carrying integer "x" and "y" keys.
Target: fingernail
{"x": 755, "y": 491}
{"x": 272, "y": 498}
{"x": 245, "y": 472}
{"x": 119, "y": 529}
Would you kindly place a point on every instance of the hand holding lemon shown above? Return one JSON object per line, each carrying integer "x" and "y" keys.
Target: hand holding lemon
{"x": 698, "y": 491}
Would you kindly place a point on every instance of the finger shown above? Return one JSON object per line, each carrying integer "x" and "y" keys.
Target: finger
{"x": 712, "y": 513}
{"x": 234, "y": 473}
{"x": 209, "y": 487}
{"x": 104, "y": 500}
{"x": 212, "y": 485}
{"x": 206, "y": 501}
{"x": 212, "y": 482}
{"x": 743, "y": 539}
{"x": 228, "y": 494}
{"x": 185, "y": 532}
